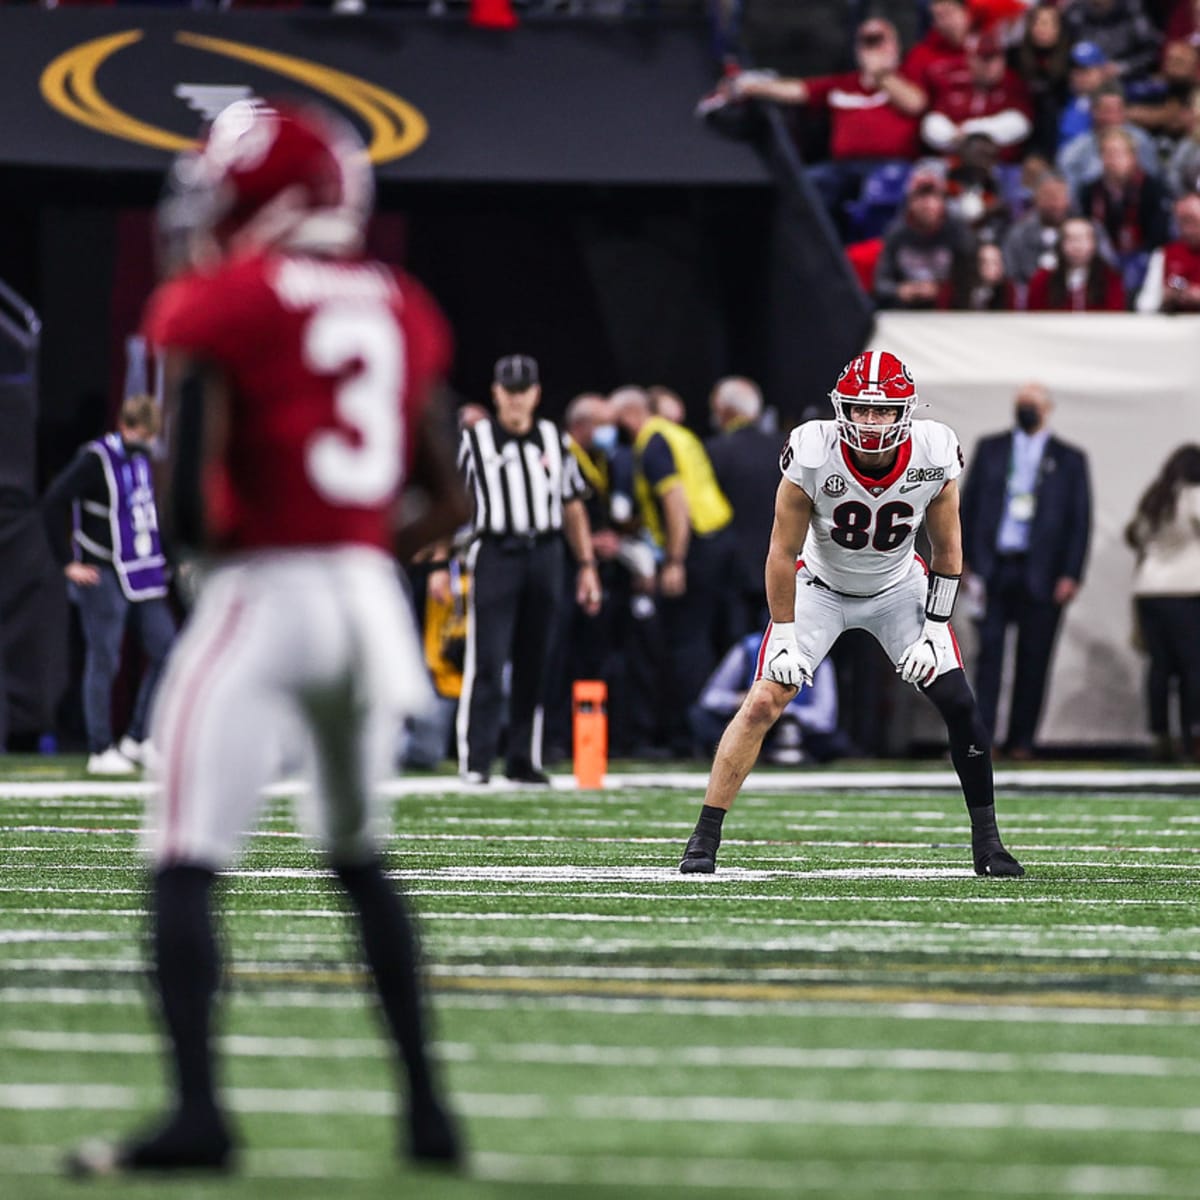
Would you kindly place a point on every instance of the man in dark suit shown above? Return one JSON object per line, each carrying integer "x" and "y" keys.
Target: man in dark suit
{"x": 1026, "y": 516}
{"x": 746, "y": 463}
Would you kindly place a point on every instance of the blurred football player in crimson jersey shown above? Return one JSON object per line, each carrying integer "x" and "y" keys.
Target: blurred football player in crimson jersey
{"x": 299, "y": 411}
{"x": 854, "y": 491}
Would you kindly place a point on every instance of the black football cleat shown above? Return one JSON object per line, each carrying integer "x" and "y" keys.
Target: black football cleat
{"x": 527, "y": 773}
{"x": 700, "y": 855}
{"x": 993, "y": 859}
{"x": 182, "y": 1144}
{"x": 433, "y": 1138}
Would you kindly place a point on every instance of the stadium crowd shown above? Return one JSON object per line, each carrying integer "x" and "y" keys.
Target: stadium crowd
{"x": 1039, "y": 157}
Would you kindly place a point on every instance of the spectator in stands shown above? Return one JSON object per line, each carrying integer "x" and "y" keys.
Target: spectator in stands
{"x": 1184, "y": 22}
{"x": 873, "y": 111}
{"x": 1081, "y": 281}
{"x": 1165, "y": 533}
{"x": 1173, "y": 277}
{"x": 1122, "y": 31}
{"x": 1033, "y": 241}
{"x": 989, "y": 289}
{"x": 1183, "y": 171}
{"x": 1129, "y": 204}
{"x": 974, "y": 192}
{"x": 1043, "y": 61}
{"x": 689, "y": 519}
{"x": 746, "y": 463}
{"x": 1089, "y": 73}
{"x": 1026, "y": 520}
{"x": 986, "y": 97}
{"x": 942, "y": 46}
{"x": 1079, "y": 159}
{"x": 1163, "y": 104}
{"x": 925, "y": 248}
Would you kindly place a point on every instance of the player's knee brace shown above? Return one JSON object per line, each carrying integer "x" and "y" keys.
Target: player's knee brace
{"x": 951, "y": 695}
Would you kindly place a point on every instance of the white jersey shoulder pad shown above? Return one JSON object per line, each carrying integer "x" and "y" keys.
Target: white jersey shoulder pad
{"x": 939, "y": 444}
{"x": 813, "y": 442}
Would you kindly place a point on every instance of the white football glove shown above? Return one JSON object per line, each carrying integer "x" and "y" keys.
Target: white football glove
{"x": 919, "y": 663}
{"x": 781, "y": 660}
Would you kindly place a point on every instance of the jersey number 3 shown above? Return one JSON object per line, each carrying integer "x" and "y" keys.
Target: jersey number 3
{"x": 852, "y": 525}
{"x": 361, "y": 467}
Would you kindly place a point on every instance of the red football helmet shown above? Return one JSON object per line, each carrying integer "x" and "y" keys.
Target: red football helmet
{"x": 879, "y": 380}
{"x": 277, "y": 174}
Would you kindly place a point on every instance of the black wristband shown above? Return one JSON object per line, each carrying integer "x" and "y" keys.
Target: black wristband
{"x": 438, "y": 564}
{"x": 939, "y": 600}
{"x": 588, "y": 562}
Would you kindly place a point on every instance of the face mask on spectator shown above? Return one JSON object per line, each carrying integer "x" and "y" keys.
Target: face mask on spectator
{"x": 605, "y": 438}
{"x": 1028, "y": 417}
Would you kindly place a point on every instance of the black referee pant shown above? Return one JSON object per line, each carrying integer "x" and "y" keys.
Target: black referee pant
{"x": 516, "y": 592}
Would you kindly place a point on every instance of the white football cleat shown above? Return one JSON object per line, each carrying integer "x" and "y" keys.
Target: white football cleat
{"x": 110, "y": 762}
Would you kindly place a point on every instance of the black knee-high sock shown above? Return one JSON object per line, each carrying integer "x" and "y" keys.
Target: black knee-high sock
{"x": 390, "y": 945}
{"x": 187, "y": 972}
{"x": 970, "y": 748}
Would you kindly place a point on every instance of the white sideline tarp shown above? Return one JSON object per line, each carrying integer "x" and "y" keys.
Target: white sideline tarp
{"x": 1126, "y": 390}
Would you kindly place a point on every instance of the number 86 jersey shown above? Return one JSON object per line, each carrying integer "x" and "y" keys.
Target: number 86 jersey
{"x": 330, "y": 363}
{"x": 861, "y": 534}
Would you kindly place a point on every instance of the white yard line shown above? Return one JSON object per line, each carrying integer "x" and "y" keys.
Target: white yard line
{"x": 715, "y": 1109}
{"x": 624, "y": 1056}
{"x": 970, "y": 1012}
{"x": 490, "y": 894}
{"x": 817, "y": 1177}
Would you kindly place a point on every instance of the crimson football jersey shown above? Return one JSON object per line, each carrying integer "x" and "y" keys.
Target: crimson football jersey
{"x": 862, "y": 530}
{"x": 330, "y": 364}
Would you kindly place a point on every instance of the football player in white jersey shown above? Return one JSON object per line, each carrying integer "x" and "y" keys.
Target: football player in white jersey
{"x": 854, "y": 491}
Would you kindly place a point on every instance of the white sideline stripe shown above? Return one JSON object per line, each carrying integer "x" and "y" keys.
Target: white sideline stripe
{"x": 740, "y": 1110}
{"x": 557, "y": 1054}
{"x": 292, "y": 998}
{"x": 1118, "y": 779}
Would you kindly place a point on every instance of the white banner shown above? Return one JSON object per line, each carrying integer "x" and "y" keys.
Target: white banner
{"x": 1126, "y": 391}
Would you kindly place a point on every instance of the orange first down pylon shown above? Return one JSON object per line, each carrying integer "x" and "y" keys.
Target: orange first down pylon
{"x": 591, "y": 732}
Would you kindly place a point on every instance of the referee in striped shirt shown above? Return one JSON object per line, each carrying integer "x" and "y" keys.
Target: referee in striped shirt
{"x": 528, "y": 492}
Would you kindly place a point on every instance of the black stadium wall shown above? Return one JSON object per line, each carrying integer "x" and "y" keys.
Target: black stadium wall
{"x": 553, "y": 187}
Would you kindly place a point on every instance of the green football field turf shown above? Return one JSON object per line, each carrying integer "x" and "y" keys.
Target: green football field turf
{"x": 843, "y": 1011}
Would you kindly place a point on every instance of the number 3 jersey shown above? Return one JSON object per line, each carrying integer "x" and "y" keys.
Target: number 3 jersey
{"x": 329, "y": 363}
{"x": 860, "y": 538}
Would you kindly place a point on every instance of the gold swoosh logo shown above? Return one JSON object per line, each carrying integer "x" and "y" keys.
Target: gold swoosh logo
{"x": 68, "y": 85}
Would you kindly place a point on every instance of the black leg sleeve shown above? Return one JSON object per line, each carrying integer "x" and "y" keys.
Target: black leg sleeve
{"x": 390, "y": 946}
{"x": 187, "y": 972}
{"x": 970, "y": 746}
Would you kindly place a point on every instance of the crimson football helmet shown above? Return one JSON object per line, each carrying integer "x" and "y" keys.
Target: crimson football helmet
{"x": 272, "y": 174}
{"x": 878, "y": 379}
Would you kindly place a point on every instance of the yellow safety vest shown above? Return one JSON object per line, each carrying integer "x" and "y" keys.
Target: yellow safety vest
{"x": 707, "y": 505}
